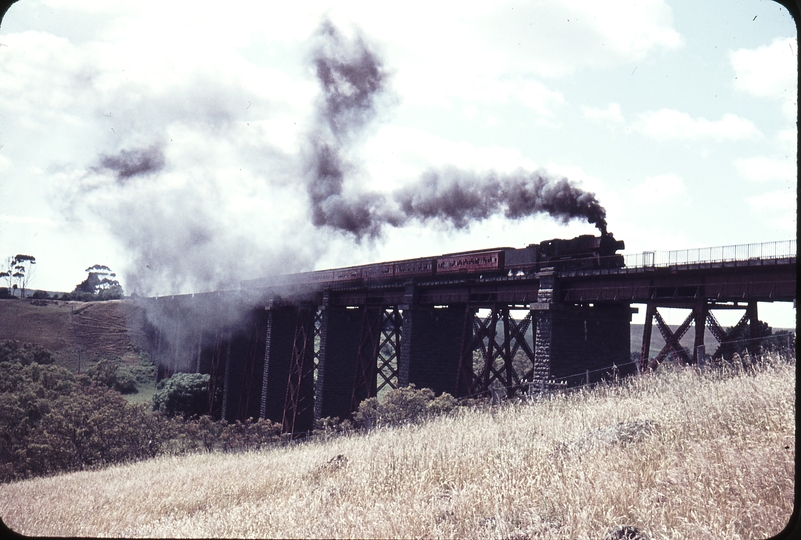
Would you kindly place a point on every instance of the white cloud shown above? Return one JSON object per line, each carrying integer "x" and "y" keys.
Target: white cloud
{"x": 787, "y": 141}
{"x": 228, "y": 93}
{"x": 454, "y": 49}
{"x": 778, "y": 209}
{"x": 772, "y": 201}
{"x": 631, "y": 28}
{"x": 660, "y": 189}
{"x": 31, "y": 220}
{"x": 765, "y": 169}
{"x": 537, "y": 97}
{"x": 769, "y": 71}
{"x": 672, "y": 124}
{"x": 610, "y": 115}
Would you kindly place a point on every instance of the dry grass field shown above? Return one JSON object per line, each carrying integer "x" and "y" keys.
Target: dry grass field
{"x": 677, "y": 454}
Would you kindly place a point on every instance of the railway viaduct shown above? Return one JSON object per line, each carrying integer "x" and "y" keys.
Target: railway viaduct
{"x": 294, "y": 354}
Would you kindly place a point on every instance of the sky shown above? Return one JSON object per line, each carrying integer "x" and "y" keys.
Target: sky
{"x": 188, "y": 146}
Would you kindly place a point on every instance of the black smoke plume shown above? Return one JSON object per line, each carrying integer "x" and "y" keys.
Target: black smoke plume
{"x": 130, "y": 163}
{"x": 461, "y": 197}
{"x": 352, "y": 78}
{"x": 353, "y": 81}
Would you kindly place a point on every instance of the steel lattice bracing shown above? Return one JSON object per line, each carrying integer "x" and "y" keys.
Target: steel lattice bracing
{"x": 498, "y": 352}
{"x": 365, "y": 383}
{"x": 672, "y": 339}
{"x": 702, "y": 318}
{"x": 299, "y": 404}
{"x": 389, "y": 347}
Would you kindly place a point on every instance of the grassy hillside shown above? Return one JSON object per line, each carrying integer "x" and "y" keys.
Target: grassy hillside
{"x": 677, "y": 454}
{"x": 111, "y": 329}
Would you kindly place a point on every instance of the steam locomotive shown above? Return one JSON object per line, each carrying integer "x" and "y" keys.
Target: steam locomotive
{"x": 582, "y": 252}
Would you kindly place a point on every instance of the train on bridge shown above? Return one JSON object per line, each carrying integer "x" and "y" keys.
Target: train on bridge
{"x": 297, "y": 348}
{"x": 582, "y": 252}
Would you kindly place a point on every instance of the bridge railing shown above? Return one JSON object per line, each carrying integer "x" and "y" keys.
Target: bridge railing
{"x": 764, "y": 251}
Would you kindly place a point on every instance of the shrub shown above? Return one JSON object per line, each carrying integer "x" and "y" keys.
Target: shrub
{"x": 401, "y": 406}
{"x": 183, "y": 393}
{"x": 111, "y": 374}
{"x": 145, "y": 372}
{"x": 12, "y": 351}
{"x": 126, "y": 380}
{"x": 52, "y": 420}
{"x": 123, "y": 378}
{"x": 249, "y": 435}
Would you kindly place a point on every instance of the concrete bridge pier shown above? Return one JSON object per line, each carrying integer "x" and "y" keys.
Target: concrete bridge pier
{"x": 279, "y": 332}
{"x": 243, "y": 368}
{"x": 431, "y": 346}
{"x": 340, "y": 331}
{"x": 577, "y": 342}
{"x": 578, "y": 338}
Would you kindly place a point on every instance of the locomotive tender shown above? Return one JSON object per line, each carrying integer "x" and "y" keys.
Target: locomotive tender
{"x": 582, "y": 252}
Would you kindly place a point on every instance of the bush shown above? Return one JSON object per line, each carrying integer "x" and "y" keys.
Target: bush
{"x": 126, "y": 381}
{"x": 249, "y": 435}
{"x": 79, "y": 296}
{"x": 402, "y": 406}
{"x": 112, "y": 374}
{"x": 12, "y": 351}
{"x": 145, "y": 372}
{"x": 54, "y": 421}
{"x": 183, "y": 393}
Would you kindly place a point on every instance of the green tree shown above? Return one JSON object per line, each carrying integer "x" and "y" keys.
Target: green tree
{"x": 29, "y": 392}
{"x": 100, "y": 284}
{"x": 112, "y": 374}
{"x": 741, "y": 339}
{"x": 18, "y": 273}
{"x": 183, "y": 393}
